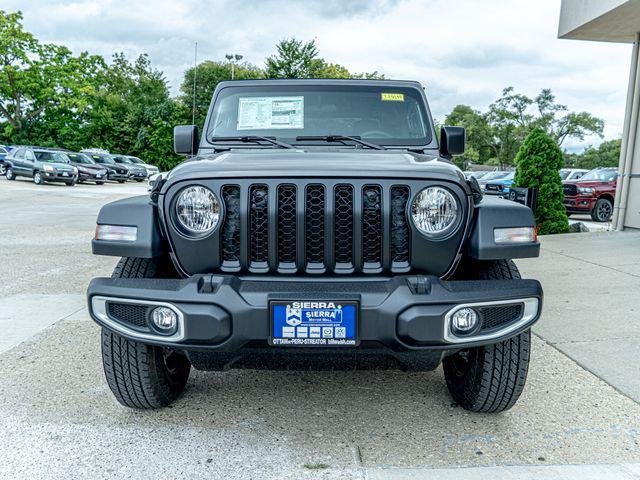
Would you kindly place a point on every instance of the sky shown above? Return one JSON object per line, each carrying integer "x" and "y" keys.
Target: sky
{"x": 462, "y": 51}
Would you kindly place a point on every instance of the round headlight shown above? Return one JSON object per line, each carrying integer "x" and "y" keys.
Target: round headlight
{"x": 435, "y": 211}
{"x": 197, "y": 210}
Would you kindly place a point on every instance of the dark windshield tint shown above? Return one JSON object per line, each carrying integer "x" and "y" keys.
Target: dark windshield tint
{"x": 51, "y": 157}
{"x": 602, "y": 175}
{"x": 99, "y": 158}
{"x": 80, "y": 158}
{"x": 382, "y": 115}
{"x": 121, "y": 159}
{"x": 494, "y": 175}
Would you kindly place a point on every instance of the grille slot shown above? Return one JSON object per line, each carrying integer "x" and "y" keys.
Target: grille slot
{"x": 400, "y": 233}
{"x": 230, "y": 232}
{"x": 372, "y": 226}
{"x": 133, "y": 315}
{"x": 287, "y": 226}
{"x": 496, "y": 317}
{"x": 314, "y": 227}
{"x": 343, "y": 226}
{"x": 259, "y": 225}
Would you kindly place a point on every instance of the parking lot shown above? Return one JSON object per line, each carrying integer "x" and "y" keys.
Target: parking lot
{"x": 581, "y": 405}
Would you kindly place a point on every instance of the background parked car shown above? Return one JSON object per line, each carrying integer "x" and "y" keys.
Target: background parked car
{"x": 568, "y": 174}
{"x": 593, "y": 193}
{"x": 4, "y": 151}
{"x": 88, "y": 170}
{"x": 136, "y": 172}
{"x": 40, "y": 164}
{"x": 115, "y": 171}
{"x": 151, "y": 169}
{"x": 491, "y": 176}
{"x": 500, "y": 186}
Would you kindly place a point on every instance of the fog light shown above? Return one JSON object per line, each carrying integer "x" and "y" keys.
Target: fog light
{"x": 464, "y": 320}
{"x": 164, "y": 319}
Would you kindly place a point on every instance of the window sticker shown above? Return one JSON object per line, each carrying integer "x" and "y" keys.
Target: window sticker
{"x": 267, "y": 113}
{"x": 392, "y": 97}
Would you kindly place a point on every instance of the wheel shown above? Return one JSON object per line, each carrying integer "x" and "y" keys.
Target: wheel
{"x": 121, "y": 181}
{"x": 9, "y": 173}
{"x": 99, "y": 183}
{"x": 602, "y": 211}
{"x": 37, "y": 178}
{"x": 139, "y": 179}
{"x": 3, "y": 170}
{"x": 490, "y": 378}
{"x": 139, "y": 375}
{"x": 70, "y": 184}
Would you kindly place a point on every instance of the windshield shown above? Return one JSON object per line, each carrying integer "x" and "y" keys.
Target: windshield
{"x": 121, "y": 159}
{"x": 80, "y": 158}
{"x": 600, "y": 175}
{"x": 510, "y": 176}
{"x": 564, "y": 174}
{"x": 51, "y": 157}
{"x": 378, "y": 114}
{"x": 135, "y": 159}
{"x": 100, "y": 158}
{"x": 494, "y": 175}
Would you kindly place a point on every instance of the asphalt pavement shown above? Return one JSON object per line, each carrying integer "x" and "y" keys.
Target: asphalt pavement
{"x": 579, "y": 416}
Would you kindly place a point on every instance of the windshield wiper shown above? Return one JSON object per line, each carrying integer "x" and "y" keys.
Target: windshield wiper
{"x": 338, "y": 138}
{"x": 252, "y": 139}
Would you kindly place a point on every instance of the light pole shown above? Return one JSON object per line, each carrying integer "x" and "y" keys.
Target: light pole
{"x": 233, "y": 58}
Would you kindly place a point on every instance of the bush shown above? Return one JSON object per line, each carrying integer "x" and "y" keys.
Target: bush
{"x": 537, "y": 164}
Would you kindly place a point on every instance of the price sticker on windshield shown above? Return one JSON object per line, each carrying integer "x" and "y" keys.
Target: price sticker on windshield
{"x": 392, "y": 97}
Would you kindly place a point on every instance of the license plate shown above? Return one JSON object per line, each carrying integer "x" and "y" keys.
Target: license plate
{"x": 314, "y": 323}
{"x": 98, "y": 176}
{"x": 65, "y": 174}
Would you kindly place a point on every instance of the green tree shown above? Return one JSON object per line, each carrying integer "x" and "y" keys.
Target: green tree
{"x": 480, "y": 145}
{"x": 208, "y": 75}
{"x": 296, "y": 59}
{"x": 537, "y": 165}
{"x": 607, "y": 154}
{"x": 514, "y": 115}
{"x": 36, "y": 78}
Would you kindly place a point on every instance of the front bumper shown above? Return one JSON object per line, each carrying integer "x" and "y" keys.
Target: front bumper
{"x": 93, "y": 177}
{"x": 226, "y": 313}
{"x": 141, "y": 175}
{"x": 58, "y": 177}
{"x": 579, "y": 204}
{"x": 117, "y": 176}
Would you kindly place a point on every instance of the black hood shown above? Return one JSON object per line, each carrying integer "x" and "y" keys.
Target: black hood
{"x": 279, "y": 163}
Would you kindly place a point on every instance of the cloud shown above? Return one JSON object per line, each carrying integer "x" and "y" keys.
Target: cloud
{"x": 463, "y": 52}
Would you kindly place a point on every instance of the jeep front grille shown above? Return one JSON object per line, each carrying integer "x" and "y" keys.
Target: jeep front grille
{"x": 315, "y": 228}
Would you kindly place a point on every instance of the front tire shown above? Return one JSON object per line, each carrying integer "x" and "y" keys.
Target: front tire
{"x": 10, "y": 174}
{"x": 38, "y": 179}
{"x": 602, "y": 211}
{"x": 121, "y": 181}
{"x": 139, "y": 375}
{"x": 490, "y": 378}
{"x": 99, "y": 183}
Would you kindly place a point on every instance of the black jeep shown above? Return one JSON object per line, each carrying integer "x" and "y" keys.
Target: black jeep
{"x": 318, "y": 224}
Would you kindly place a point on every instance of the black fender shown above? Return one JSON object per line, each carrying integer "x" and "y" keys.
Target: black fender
{"x": 137, "y": 212}
{"x": 492, "y": 213}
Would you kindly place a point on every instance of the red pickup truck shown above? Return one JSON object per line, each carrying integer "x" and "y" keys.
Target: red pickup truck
{"x": 593, "y": 193}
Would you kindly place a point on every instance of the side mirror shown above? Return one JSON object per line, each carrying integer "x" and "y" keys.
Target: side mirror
{"x": 185, "y": 139}
{"x": 452, "y": 140}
